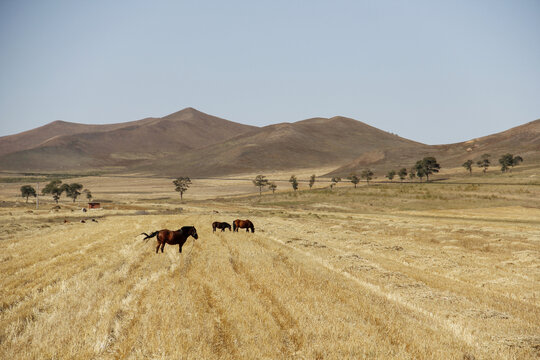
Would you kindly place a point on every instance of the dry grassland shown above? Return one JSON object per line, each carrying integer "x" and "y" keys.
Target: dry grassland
{"x": 382, "y": 272}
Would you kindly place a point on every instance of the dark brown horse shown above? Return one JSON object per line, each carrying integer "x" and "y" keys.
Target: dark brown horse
{"x": 243, "y": 224}
{"x": 220, "y": 225}
{"x": 177, "y": 237}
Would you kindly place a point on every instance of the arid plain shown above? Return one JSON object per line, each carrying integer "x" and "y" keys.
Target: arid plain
{"x": 445, "y": 270}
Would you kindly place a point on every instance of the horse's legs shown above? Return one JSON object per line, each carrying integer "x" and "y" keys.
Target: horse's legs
{"x": 162, "y": 246}
{"x": 180, "y": 248}
{"x": 157, "y": 247}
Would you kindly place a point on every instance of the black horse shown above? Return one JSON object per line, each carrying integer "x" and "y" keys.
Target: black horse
{"x": 220, "y": 225}
{"x": 178, "y": 237}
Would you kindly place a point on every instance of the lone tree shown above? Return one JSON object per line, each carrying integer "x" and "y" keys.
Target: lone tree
{"x": 72, "y": 190}
{"x": 484, "y": 162}
{"x": 354, "y": 179}
{"x": 367, "y": 174}
{"x": 402, "y": 173}
{"x": 182, "y": 184}
{"x": 260, "y": 181}
{"x": 54, "y": 189}
{"x": 294, "y": 182}
{"x": 429, "y": 166}
{"x": 272, "y": 186}
{"x": 88, "y": 194}
{"x": 311, "y": 181}
{"x": 334, "y": 181}
{"x": 391, "y": 174}
{"x": 468, "y": 166}
{"x": 27, "y": 191}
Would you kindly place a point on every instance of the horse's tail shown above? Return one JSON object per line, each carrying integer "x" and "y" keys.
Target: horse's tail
{"x": 150, "y": 236}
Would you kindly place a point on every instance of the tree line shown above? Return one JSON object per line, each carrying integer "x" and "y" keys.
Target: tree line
{"x": 55, "y": 188}
{"x": 507, "y": 162}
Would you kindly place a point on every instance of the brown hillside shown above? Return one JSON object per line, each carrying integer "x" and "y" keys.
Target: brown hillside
{"x": 36, "y": 137}
{"x": 522, "y": 140}
{"x": 308, "y": 143}
{"x": 126, "y": 145}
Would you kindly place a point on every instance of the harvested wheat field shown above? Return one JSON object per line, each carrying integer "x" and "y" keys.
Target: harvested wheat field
{"x": 386, "y": 271}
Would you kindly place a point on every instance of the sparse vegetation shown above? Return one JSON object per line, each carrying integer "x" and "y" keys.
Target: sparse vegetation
{"x": 53, "y": 188}
{"x": 260, "y": 181}
{"x": 390, "y": 175}
{"x": 334, "y": 181}
{"x": 294, "y": 182}
{"x": 508, "y": 161}
{"x": 468, "y": 166}
{"x": 272, "y": 186}
{"x": 72, "y": 190}
{"x": 181, "y": 185}
{"x": 311, "y": 181}
{"x": 402, "y": 173}
{"x": 484, "y": 162}
{"x": 88, "y": 194}
{"x": 368, "y": 175}
{"x": 354, "y": 179}
{"x": 426, "y": 167}
{"x": 27, "y": 191}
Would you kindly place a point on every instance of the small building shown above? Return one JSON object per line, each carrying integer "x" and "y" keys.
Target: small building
{"x": 94, "y": 205}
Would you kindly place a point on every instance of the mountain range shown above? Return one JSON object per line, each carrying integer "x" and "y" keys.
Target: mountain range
{"x": 192, "y": 143}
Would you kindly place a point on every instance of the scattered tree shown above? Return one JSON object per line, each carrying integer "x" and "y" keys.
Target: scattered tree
{"x": 412, "y": 173}
{"x": 367, "y": 174}
{"x": 72, "y": 190}
{"x": 88, "y": 194}
{"x": 484, "y": 162}
{"x": 272, "y": 186}
{"x": 27, "y": 191}
{"x": 420, "y": 172}
{"x": 402, "y": 173}
{"x": 516, "y": 160}
{"x": 260, "y": 181}
{"x": 54, "y": 189}
{"x": 334, "y": 180}
{"x": 508, "y": 161}
{"x": 468, "y": 166}
{"x": 354, "y": 179}
{"x": 428, "y": 166}
{"x": 294, "y": 182}
{"x": 182, "y": 184}
{"x": 391, "y": 174}
{"x": 311, "y": 181}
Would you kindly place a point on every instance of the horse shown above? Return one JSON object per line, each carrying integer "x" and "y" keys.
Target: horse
{"x": 172, "y": 237}
{"x": 220, "y": 225}
{"x": 243, "y": 224}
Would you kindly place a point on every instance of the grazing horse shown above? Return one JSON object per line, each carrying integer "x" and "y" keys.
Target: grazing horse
{"x": 220, "y": 225}
{"x": 243, "y": 224}
{"x": 172, "y": 237}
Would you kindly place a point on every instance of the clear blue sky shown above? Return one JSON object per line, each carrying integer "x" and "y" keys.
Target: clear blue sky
{"x": 432, "y": 71}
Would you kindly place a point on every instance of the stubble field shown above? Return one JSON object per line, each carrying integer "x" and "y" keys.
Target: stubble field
{"x": 403, "y": 271}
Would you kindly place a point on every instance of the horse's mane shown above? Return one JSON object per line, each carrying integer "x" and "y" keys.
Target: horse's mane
{"x": 185, "y": 228}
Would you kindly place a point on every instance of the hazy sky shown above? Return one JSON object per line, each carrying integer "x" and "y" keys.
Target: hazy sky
{"x": 432, "y": 71}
